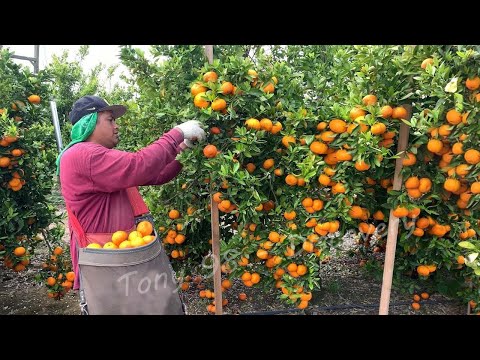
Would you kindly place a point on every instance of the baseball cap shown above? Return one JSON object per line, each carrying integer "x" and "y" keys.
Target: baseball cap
{"x": 90, "y": 104}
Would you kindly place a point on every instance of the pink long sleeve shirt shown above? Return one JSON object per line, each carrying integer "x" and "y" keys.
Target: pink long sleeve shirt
{"x": 94, "y": 180}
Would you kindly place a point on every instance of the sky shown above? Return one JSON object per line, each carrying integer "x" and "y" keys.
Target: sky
{"x": 105, "y": 54}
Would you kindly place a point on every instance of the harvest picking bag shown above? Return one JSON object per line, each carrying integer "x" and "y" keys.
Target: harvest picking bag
{"x": 133, "y": 281}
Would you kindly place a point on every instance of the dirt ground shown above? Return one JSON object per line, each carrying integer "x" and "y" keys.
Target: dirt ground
{"x": 347, "y": 289}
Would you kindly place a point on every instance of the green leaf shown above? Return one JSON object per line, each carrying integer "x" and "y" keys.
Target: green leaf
{"x": 466, "y": 245}
{"x": 458, "y": 102}
{"x": 407, "y": 96}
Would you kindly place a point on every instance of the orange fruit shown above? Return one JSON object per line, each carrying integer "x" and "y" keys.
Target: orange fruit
{"x": 422, "y": 270}
{"x": 472, "y": 156}
{"x": 34, "y": 99}
{"x": 58, "y": 250}
{"x": 200, "y": 102}
{"x": 301, "y": 270}
{"x": 252, "y": 73}
{"x": 409, "y": 159}
{"x": 269, "y": 88}
{"x": 210, "y": 76}
{"x": 19, "y": 251}
{"x": 215, "y": 130}
{"x": 4, "y": 162}
{"x": 277, "y": 127}
{"x": 362, "y": 166}
{"x": 197, "y": 89}
{"x": 386, "y": 111}
{"x": 266, "y": 124}
{"x": 337, "y": 126}
{"x": 172, "y": 214}
{"x": 400, "y": 211}
{"x": 318, "y": 147}
{"x": 70, "y": 276}
{"x": 268, "y": 164}
{"x": 148, "y": 239}
{"x": 378, "y": 129}
{"x": 125, "y": 244}
{"x": 16, "y": 152}
{"x": 94, "y": 246}
{"x": 119, "y": 236}
{"x": 357, "y": 112}
{"x": 210, "y": 151}
{"x": 146, "y": 228}
{"x": 219, "y": 104}
{"x": 287, "y": 140}
{"x": 253, "y": 124}
{"x": 291, "y": 180}
{"x": 473, "y": 83}
{"x": 137, "y": 241}
{"x": 399, "y": 112}
{"x": 426, "y": 62}
{"x": 110, "y": 245}
{"x": 369, "y": 100}
{"x": 451, "y": 185}
{"x": 454, "y": 117}
{"x": 227, "y": 88}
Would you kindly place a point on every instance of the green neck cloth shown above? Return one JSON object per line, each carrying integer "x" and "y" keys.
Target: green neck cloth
{"x": 82, "y": 129}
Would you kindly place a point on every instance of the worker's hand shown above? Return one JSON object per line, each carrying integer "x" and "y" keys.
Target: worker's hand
{"x": 192, "y": 132}
{"x": 189, "y": 143}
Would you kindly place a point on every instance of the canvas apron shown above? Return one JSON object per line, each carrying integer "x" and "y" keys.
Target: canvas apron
{"x": 133, "y": 281}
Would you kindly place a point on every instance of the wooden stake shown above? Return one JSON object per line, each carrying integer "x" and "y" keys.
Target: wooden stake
{"x": 209, "y": 53}
{"x": 393, "y": 220}
{"x": 217, "y": 274}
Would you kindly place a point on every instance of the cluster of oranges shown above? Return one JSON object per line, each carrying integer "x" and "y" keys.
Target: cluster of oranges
{"x": 7, "y": 141}
{"x": 57, "y": 275}
{"x": 207, "y": 293}
{"x": 417, "y": 298}
{"x": 123, "y": 240}
{"x": 209, "y": 93}
{"x": 18, "y": 261}
{"x": 10, "y": 161}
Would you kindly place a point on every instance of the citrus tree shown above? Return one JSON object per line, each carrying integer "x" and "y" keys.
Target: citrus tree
{"x": 302, "y": 146}
{"x": 28, "y": 152}
{"x": 255, "y": 114}
{"x": 27, "y": 158}
{"x": 438, "y": 201}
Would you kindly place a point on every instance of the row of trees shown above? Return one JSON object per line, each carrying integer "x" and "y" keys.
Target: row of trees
{"x": 288, "y": 196}
{"x": 301, "y": 148}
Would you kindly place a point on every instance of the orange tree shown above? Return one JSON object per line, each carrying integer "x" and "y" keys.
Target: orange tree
{"x": 260, "y": 164}
{"x": 445, "y": 141}
{"x": 27, "y": 156}
{"x": 438, "y": 201}
{"x": 287, "y": 192}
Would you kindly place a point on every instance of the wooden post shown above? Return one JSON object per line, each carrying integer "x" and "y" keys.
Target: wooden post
{"x": 217, "y": 274}
{"x": 393, "y": 220}
{"x": 209, "y": 53}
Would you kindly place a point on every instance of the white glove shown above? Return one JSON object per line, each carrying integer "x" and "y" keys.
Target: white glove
{"x": 192, "y": 132}
{"x": 189, "y": 143}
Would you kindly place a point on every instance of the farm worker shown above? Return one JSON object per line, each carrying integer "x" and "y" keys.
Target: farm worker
{"x": 94, "y": 177}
